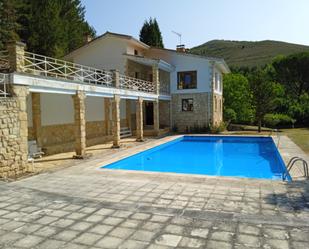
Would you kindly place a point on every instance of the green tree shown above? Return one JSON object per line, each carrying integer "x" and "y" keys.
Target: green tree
{"x": 264, "y": 92}
{"x": 8, "y": 22}
{"x": 237, "y": 98}
{"x": 151, "y": 34}
{"x": 292, "y": 71}
{"x": 48, "y": 27}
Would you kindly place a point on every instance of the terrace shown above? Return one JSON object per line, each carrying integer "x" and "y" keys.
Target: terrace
{"x": 38, "y": 75}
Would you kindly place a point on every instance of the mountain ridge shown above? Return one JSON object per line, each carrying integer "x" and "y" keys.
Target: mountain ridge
{"x": 247, "y": 53}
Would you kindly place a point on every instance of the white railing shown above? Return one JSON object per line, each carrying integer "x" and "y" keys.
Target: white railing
{"x": 127, "y": 82}
{"x": 4, "y": 62}
{"x": 50, "y": 67}
{"x": 46, "y": 66}
{"x": 165, "y": 88}
{"x": 3, "y": 85}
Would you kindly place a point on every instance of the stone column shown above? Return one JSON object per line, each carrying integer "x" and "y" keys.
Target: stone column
{"x": 80, "y": 124}
{"x": 107, "y": 116}
{"x": 116, "y": 121}
{"x": 128, "y": 113}
{"x": 36, "y": 117}
{"x": 116, "y": 78}
{"x": 16, "y": 52}
{"x": 21, "y": 92}
{"x": 156, "y": 120}
{"x": 139, "y": 120}
{"x": 155, "y": 78}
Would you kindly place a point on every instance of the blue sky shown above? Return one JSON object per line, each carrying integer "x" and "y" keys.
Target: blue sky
{"x": 202, "y": 20}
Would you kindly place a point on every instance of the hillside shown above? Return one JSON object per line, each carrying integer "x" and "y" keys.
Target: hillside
{"x": 244, "y": 53}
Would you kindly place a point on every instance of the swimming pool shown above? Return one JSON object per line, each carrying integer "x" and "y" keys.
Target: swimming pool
{"x": 236, "y": 156}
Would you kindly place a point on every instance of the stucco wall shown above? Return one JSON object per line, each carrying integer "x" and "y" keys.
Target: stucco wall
{"x": 57, "y": 120}
{"x": 184, "y": 62}
{"x": 104, "y": 53}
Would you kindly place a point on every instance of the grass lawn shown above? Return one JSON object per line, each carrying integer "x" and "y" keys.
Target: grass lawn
{"x": 300, "y": 136}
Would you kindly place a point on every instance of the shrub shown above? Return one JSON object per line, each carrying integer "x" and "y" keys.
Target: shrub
{"x": 229, "y": 115}
{"x": 277, "y": 120}
{"x": 215, "y": 129}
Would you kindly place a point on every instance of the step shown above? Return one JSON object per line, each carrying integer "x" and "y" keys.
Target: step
{"x": 125, "y": 132}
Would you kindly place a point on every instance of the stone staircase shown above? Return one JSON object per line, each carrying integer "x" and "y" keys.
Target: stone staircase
{"x": 125, "y": 132}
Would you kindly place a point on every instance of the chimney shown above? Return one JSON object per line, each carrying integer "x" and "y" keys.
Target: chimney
{"x": 181, "y": 48}
{"x": 87, "y": 38}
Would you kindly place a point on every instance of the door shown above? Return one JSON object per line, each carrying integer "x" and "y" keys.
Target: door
{"x": 149, "y": 113}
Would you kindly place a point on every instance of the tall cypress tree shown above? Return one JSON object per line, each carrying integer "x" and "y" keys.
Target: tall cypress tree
{"x": 150, "y": 33}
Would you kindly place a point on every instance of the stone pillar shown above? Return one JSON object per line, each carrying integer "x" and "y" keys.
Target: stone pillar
{"x": 36, "y": 117}
{"x": 116, "y": 78}
{"x": 21, "y": 92}
{"x": 80, "y": 124}
{"x": 155, "y": 78}
{"x": 16, "y": 52}
{"x": 156, "y": 120}
{"x": 139, "y": 120}
{"x": 128, "y": 113}
{"x": 107, "y": 115}
{"x": 116, "y": 121}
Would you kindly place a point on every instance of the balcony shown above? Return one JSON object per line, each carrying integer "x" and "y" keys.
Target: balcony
{"x": 43, "y": 66}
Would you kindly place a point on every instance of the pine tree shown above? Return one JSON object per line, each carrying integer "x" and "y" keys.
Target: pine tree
{"x": 48, "y": 27}
{"x": 150, "y": 33}
{"x": 8, "y": 22}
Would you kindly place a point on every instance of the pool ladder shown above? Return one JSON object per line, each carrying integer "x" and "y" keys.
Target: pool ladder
{"x": 292, "y": 162}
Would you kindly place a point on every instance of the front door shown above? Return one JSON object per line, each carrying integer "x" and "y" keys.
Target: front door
{"x": 149, "y": 113}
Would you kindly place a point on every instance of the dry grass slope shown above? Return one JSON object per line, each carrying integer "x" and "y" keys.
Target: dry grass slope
{"x": 248, "y": 54}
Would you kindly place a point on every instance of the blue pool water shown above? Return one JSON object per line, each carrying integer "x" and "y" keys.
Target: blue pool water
{"x": 250, "y": 157}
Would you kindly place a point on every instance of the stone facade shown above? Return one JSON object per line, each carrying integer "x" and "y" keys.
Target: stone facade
{"x": 80, "y": 124}
{"x": 139, "y": 120}
{"x": 217, "y": 109}
{"x": 116, "y": 121}
{"x": 188, "y": 119}
{"x": 164, "y": 113}
{"x": 13, "y": 139}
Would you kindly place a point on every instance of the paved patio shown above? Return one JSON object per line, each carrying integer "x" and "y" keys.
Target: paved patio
{"x": 82, "y": 207}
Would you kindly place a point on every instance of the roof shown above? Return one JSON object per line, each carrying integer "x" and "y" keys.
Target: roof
{"x": 109, "y": 34}
{"x": 214, "y": 59}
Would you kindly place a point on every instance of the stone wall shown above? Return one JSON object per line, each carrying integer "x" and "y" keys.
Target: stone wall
{"x": 61, "y": 138}
{"x": 186, "y": 119}
{"x": 164, "y": 113}
{"x": 13, "y": 148}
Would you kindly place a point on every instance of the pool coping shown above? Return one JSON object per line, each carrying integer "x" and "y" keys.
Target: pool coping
{"x": 132, "y": 151}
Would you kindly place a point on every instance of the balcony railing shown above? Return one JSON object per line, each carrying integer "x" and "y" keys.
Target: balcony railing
{"x": 164, "y": 88}
{"x": 4, "y": 62}
{"x": 35, "y": 64}
{"x": 3, "y": 85}
{"x": 50, "y": 67}
{"x": 127, "y": 82}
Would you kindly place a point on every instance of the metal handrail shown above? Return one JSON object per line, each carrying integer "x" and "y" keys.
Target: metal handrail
{"x": 3, "y": 86}
{"x": 292, "y": 162}
{"x": 51, "y": 67}
{"x": 136, "y": 84}
{"x": 4, "y": 60}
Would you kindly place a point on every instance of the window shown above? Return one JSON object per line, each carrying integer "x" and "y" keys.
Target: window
{"x": 136, "y": 75}
{"x": 187, "y": 105}
{"x": 186, "y": 80}
{"x": 135, "y": 52}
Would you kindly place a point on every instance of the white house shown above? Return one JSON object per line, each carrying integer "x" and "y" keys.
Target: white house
{"x": 193, "y": 82}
